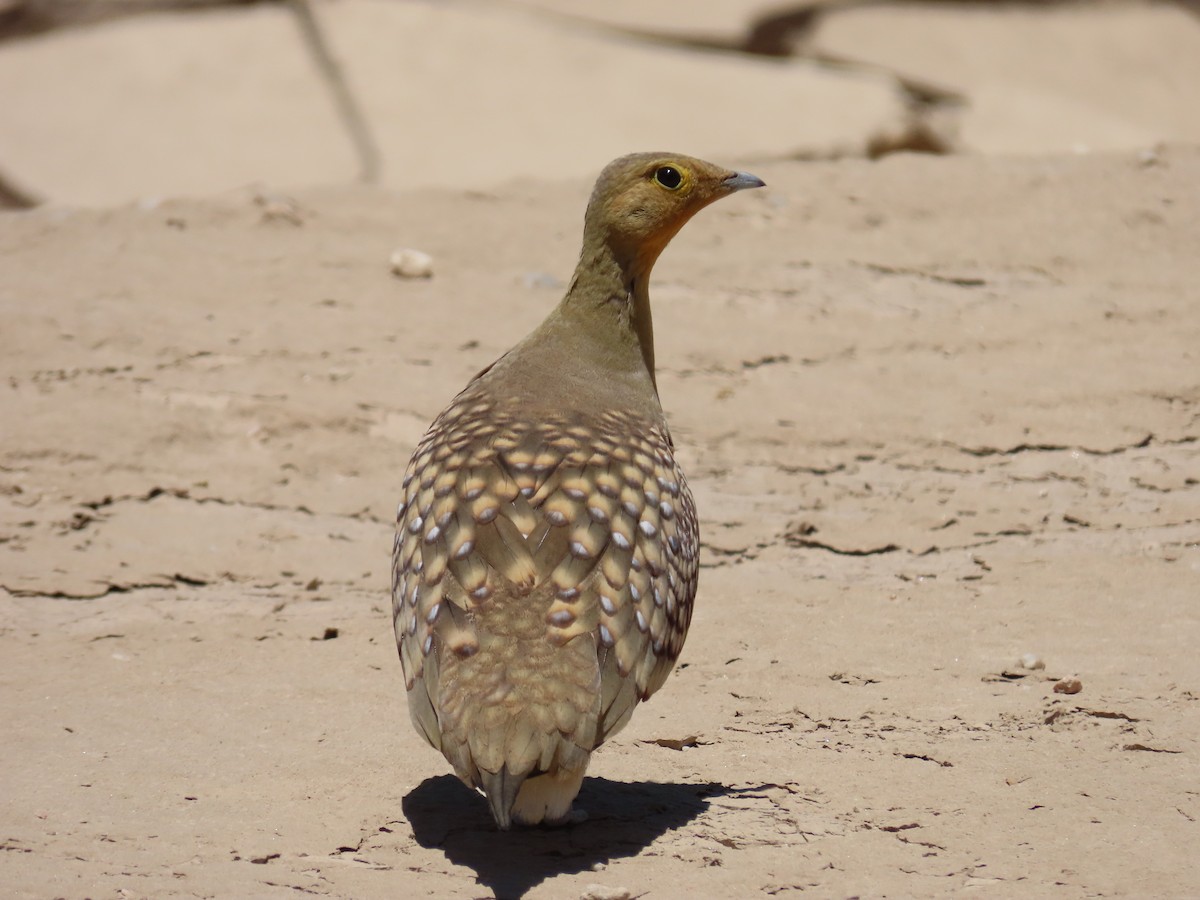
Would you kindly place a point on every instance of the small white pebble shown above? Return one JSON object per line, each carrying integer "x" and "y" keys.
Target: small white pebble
{"x": 602, "y": 892}
{"x": 533, "y": 280}
{"x": 409, "y": 263}
{"x": 1148, "y": 157}
{"x": 1032, "y": 661}
{"x": 277, "y": 208}
{"x": 1068, "y": 686}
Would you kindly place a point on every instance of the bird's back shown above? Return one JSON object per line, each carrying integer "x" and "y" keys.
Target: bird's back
{"x": 545, "y": 567}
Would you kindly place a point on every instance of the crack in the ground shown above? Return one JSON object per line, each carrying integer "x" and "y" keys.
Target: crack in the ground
{"x": 809, "y": 470}
{"x": 58, "y": 376}
{"x": 1147, "y": 441}
{"x": 1159, "y": 489}
{"x": 797, "y": 536}
{"x": 727, "y": 556}
{"x": 747, "y": 365}
{"x": 786, "y": 33}
{"x": 299, "y": 888}
{"x": 957, "y": 281}
{"x": 924, "y": 757}
{"x": 989, "y": 538}
{"x": 185, "y": 494}
{"x": 769, "y": 360}
{"x": 795, "y": 540}
{"x": 154, "y": 493}
{"x": 387, "y": 828}
{"x": 169, "y": 583}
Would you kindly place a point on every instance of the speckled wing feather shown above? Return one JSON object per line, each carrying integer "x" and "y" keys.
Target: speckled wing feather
{"x": 588, "y": 519}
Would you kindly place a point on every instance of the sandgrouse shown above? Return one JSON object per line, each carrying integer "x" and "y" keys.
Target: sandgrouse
{"x": 546, "y": 551}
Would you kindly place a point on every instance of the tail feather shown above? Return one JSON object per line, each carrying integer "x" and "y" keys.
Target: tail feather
{"x": 501, "y": 789}
{"x": 532, "y": 799}
{"x": 518, "y": 718}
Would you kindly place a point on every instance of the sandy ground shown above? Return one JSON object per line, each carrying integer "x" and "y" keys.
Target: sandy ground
{"x": 939, "y": 413}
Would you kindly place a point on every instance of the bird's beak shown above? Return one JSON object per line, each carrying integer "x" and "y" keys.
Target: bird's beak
{"x": 740, "y": 181}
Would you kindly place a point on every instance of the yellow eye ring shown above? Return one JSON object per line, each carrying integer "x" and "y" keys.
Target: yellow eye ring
{"x": 669, "y": 177}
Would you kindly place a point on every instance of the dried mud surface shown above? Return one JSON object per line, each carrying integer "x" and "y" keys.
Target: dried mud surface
{"x": 939, "y": 413}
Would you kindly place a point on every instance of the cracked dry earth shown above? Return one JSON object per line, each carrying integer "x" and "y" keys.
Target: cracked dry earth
{"x": 939, "y": 413}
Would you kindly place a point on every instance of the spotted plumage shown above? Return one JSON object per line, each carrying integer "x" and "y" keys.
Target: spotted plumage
{"x": 546, "y": 550}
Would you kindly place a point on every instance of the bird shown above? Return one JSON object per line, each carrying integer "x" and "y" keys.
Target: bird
{"x": 546, "y": 550}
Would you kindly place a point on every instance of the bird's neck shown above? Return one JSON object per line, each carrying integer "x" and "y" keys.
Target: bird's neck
{"x": 608, "y": 307}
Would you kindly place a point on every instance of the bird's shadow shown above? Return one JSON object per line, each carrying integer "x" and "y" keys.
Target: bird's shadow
{"x": 623, "y": 819}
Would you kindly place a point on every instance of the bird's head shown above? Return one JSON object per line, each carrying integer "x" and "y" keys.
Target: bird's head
{"x": 641, "y": 201}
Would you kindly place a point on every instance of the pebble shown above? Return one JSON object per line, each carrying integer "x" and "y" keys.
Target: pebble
{"x": 1068, "y": 686}
{"x": 602, "y": 892}
{"x": 1031, "y": 661}
{"x": 541, "y": 280}
{"x": 277, "y": 208}
{"x": 409, "y": 263}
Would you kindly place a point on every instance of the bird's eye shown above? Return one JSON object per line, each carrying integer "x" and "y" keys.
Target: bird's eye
{"x": 668, "y": 177}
